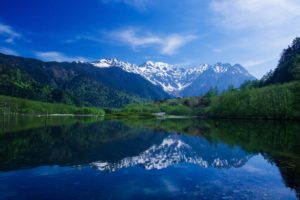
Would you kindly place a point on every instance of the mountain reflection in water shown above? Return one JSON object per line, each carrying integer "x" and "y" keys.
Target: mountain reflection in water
{"x": 175, "y": 149}
{"x": 125, "y": 159}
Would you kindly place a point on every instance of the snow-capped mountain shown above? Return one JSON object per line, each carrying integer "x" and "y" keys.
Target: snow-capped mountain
{"x": 174, "y": 150}
{"x": 174, "y": 79}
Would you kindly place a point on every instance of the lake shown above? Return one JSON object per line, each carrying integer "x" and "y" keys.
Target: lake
{"x": 90, "y": 158}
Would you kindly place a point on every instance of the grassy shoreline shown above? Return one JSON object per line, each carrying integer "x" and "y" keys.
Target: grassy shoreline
{"x": 18, "y": 106}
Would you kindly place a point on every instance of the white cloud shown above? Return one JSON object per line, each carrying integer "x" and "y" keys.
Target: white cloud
{"x": 129, "y": 36}
{"x": 257, "y": 29}
{"x": 174, "y": 42}
{"x": 57, "y": 56}
{"x": 8, "y": 51}
{"x": 256, "y": 13}
{"x": 168, "y": 45}
{"x": 9, "y": 34}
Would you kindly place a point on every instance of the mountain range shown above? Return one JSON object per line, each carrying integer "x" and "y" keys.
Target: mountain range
{"x": 184, "y": 81}
{"x": 111, "y": 82}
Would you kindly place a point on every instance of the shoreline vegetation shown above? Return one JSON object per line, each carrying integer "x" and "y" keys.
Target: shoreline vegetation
{"x": 274, "y": 102}
{"x": 281, "y": 102}
{"x": 18, "y": 106}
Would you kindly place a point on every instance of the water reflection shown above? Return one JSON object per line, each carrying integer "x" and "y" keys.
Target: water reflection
{"x": 177, "y": 149}
{"x": 125, "y": 159}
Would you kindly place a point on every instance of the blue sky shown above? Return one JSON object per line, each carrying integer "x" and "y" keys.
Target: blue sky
{"x": 186, "y": 33}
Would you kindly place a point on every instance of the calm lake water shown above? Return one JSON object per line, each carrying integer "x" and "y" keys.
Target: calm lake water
{"x": 70, "y": 158}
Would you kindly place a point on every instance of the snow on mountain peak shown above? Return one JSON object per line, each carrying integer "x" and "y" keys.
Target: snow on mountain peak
{"x": 149, "y": 62}
{"x": 172, "y": 79}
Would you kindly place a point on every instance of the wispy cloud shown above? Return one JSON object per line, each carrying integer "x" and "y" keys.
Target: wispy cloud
{"x": 138, "y": 4}
{"x": 168, "y": 45}
{"x": 85, "y": 37}
{"x": 9, "y": 33}
{"x": 217, "y": 50}
{"x": 172, "y": 43}
{"x": 130, "y": 36}
{"x": 8, "y": 51}
{"x": 252, "y": 63}
{"x": 57, "y": 56}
